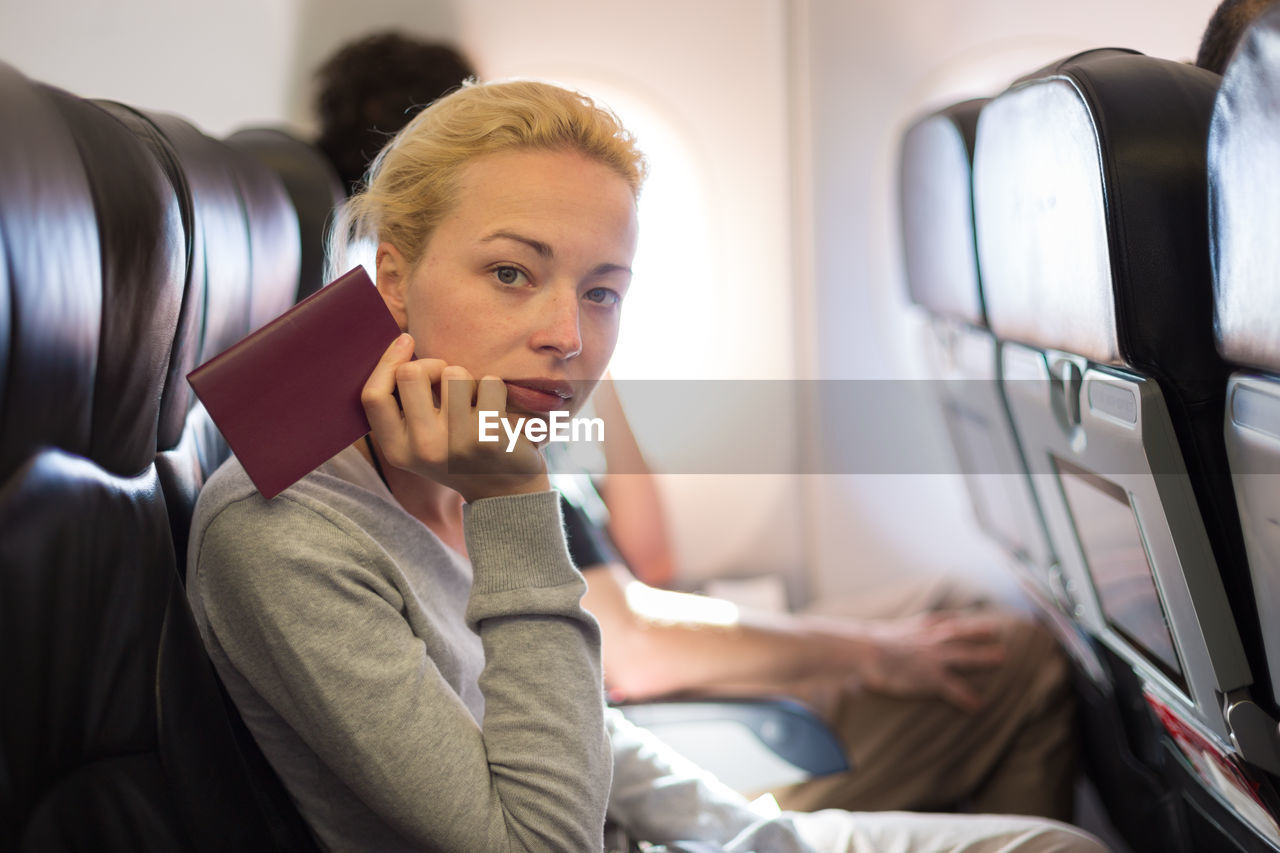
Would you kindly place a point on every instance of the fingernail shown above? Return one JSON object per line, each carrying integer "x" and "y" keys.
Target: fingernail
{"x": 404, "y": 340}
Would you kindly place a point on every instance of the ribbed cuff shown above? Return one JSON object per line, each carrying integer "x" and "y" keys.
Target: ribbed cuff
{"x": 517, "y": 542}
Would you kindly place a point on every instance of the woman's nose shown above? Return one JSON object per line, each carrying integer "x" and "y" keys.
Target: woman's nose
{"x": 558, "y": 326}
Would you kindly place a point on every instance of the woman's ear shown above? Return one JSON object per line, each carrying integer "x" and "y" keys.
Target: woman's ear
{"x": 393, "y": 282}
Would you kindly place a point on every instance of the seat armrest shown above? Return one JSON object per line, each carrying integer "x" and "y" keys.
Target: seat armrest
{"x": 750, "y": 744}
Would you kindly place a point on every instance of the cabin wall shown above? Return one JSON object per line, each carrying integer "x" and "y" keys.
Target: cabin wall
{"x": 780, "y": 120}
{"x": 870, "y": 69}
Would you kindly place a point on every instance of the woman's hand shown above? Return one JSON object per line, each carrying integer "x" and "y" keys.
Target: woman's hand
{"x": 441, "y": 440}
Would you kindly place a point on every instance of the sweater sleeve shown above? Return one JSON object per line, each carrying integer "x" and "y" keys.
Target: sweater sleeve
{"x": 660, "y": 796}
{"x": 322, "y": 638}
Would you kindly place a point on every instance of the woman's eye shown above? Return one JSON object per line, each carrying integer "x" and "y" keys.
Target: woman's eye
{"x": 603, "y": 296}
{"x": 508, "y": 275}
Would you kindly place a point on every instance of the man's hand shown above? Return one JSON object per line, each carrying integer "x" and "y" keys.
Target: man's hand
{"x": 932, "y": 654}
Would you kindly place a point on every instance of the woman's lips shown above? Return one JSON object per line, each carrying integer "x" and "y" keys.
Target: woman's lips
{"x": 538, "y": 398}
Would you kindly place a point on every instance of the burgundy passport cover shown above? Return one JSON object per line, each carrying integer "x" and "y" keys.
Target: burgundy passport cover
{"x": 287, "y": 397}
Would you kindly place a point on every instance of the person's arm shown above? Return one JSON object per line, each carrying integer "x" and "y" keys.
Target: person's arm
{"x": 658, "y": 642}
{"x": 319, "y": 633}
{"x": 660, "y": 796}
{"x": 637, "y": 524}
{"x": 317, "y": 622}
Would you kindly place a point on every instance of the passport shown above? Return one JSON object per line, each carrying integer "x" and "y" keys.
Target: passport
{"x": 287, "y": 397}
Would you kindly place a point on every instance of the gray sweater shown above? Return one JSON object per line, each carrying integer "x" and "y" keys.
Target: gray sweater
{"x": 408, "y": 698}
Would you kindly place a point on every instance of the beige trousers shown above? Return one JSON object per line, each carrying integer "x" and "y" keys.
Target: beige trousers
{"x": 1015, "y": 756}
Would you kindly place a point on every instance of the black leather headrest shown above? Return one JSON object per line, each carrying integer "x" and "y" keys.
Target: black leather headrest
{"x": 1090, "y": 200}
{"x": 176, "y": 397}
{"x": 312, "y": 185}
{"x": 221, "y": 253}
{"x": 936, "y": 202}
{"x": 246, "y": 235}
{"x": 142, "y": 242}
{"x": 274, "y": 248}
{"x": 50, "y": 281}
{"x": 1244, "y": 174}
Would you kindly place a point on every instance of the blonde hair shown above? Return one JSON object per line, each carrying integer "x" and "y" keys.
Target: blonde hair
{"x": 413, "y": 183}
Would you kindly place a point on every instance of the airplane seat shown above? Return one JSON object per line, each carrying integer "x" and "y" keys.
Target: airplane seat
{"x": 188, "y": 446}
{"x": 275, "y": 253}
{"x": 50, "y": 319}
{"x": 244, "y": 243}
{"x": 313, "y": 187}
{"x": 1243, "y": 153}
{"x": 46, "y": 380}
{"x": 935, "y": 186}
{"x": 1090, "y": 210}
{"x": 116, "y": 736}
{"x": 244, "y": 250}
{"x": 944, "y": 280}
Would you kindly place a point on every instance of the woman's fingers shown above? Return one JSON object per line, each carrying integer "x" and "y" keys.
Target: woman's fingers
{"x": 457, "y": 390}
{"x": 419, "y": 435}
{"x": 491, "y": 395}
{"x": 377, "y": 396}
{"x": 414, "y": 381}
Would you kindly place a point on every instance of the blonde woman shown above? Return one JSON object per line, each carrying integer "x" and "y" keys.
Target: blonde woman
{"x": 405, "y": 637}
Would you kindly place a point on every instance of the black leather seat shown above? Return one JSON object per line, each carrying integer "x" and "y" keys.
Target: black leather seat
{"x": 943, "y": 277}
{"x": 114, "y": 735}
{"x": 1244, "y": 147}
{"x": 188, "y": 446}
{"x": 62, "y": 515}
{"x": 313, "y": 187}
{"x": 245, "y": 256}
{"x": 1089, "y": 184}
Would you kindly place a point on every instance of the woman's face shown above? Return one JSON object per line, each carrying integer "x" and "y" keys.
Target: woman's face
{"x": 524, "y": 278}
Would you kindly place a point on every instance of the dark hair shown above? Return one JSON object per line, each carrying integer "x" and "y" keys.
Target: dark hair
{"x": 372, "y": 87}
{"x": 1223, "y": 32}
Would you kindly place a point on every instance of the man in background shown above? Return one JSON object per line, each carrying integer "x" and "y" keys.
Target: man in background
{"x": 1223, "y": 32}
{"x": 371, "y": 87}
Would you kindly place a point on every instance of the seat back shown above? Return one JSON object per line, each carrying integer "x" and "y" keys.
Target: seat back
{"x": 313, "y": 187}
{"x": 1090, "y": 204}
{"x": 54, "y": 308}
{"x": 244, "y": 250}
{"x": 944, "y": 279}
{"x": 114, "y": 734}
{"x": 1244, "y": 177}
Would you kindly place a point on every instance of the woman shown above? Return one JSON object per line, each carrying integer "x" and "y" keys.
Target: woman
{"x": 402, "y": 629}
{"x": 418, "y": 669}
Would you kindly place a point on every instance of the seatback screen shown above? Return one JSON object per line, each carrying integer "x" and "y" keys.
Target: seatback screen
{"x": 1119, "y": 565}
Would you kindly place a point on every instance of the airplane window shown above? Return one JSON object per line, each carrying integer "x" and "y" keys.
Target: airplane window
{"x": 674, "y": 292}
{"x": 1118, "y": 562}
